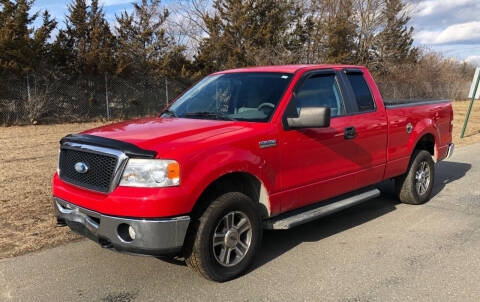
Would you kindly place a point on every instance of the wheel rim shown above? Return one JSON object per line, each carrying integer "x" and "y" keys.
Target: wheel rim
{"x": 422, "y": 178}
{"x": 232, "y": 238}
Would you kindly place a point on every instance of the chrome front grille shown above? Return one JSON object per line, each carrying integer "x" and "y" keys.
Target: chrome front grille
{"x": 103, "y": 166}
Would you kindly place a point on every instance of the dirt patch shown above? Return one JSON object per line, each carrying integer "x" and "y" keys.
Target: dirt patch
{"x": 29, "y": 159}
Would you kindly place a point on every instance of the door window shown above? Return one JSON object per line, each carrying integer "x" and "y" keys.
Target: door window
{"x": 321, "y": 90}
{"x": 363, "y": 96}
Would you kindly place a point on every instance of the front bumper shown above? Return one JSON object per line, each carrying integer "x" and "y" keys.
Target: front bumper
{"x": 153, "y": 237}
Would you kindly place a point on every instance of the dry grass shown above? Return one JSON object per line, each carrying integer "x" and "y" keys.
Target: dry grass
{"x": 472, "y": 134}
{"x": 28, "y": 160}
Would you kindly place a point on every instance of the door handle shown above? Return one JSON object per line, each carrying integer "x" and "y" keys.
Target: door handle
{"x": 350, "y": 133}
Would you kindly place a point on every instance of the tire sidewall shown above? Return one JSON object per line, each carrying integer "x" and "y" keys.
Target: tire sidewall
{"x": 420, "y": 157}
{"x": 220, "y": 207}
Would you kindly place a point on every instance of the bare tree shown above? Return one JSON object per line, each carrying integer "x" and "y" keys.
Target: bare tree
{"x": 187, "y": 23}
{"x": 368, "y": 17}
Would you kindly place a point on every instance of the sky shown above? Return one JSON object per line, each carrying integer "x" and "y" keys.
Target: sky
{"x": 58, "y": 8}
{"x": 451, "y": 27}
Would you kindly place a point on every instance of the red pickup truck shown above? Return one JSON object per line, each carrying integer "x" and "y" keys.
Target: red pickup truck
{"x": 243, "y": 150}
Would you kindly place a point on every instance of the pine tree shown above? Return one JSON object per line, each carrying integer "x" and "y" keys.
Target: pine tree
{"x": 14, "y": 36}
{"x": 340, "y": 31}
{"x": 143, "y": 45}
{"x": 252, "y": 32}
{"x": 87, "y": 40}
{"x": 40, "y": 43}
{"x": 99, "y": 57}
{"x": 76, "y": 35}
{"x": 395, "y": 41}
{"x": 22, "y": 49}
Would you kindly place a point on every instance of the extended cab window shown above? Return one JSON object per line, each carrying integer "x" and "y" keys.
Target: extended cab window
{"x": 320, "y": 90}
{"x": 362, "y": 93}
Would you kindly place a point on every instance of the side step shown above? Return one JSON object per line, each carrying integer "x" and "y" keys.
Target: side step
{"x": 322, "y": 209}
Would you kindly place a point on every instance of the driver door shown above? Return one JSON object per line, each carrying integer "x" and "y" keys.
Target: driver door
{"x": 317, "y": 162}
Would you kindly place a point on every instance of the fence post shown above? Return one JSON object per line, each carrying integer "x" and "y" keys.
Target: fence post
{"x": 166, "y": 91}
{"x": 28, "y": 87}
{"x": 106, "y": 97}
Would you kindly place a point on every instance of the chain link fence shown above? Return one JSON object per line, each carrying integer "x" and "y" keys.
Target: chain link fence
{"x": 47, "y": 99}
{"x": 38, "y": 99}
{"x": 455, "y": 90}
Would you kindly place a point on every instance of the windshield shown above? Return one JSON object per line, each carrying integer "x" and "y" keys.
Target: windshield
{"x": 232, "y": 96}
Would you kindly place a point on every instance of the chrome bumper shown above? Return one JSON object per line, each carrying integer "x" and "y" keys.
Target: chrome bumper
{"x": 152, "y": 236}
{"x": 451, "y": 147}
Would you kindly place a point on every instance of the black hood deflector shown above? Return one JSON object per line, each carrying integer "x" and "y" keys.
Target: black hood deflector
{"x": 130, "y": 150}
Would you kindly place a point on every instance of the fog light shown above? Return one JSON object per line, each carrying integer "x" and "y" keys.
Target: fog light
{"x": 126, "y": 232}
{"x": 131, "y": 232}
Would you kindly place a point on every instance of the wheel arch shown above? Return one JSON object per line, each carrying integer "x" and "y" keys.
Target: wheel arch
{"x": 235, "y": 181}
{"x": 426, "y": 142}
{"x": 424, "y": 137}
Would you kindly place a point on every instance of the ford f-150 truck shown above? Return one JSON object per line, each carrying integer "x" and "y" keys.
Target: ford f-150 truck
{"x": 244, "y": 150}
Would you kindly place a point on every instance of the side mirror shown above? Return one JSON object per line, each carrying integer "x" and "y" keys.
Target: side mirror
{"x": 311, "y": 117}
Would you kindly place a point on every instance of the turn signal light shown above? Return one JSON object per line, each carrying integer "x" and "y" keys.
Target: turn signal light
{"x": 173, "y": 171}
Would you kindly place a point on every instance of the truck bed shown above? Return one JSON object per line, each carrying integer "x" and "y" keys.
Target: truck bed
{"x": 425, "y": 116}
{"x": 398, "y": 103}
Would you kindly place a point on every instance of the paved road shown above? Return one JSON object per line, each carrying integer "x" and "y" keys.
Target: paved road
{"x": 378, "y": 251}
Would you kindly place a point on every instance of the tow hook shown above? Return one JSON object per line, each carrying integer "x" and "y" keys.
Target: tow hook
{"x": 61, "y": 222}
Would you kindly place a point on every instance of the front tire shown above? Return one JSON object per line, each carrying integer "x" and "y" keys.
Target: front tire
{"x": 415, "y": 187}
{"x": 226, "y": 239}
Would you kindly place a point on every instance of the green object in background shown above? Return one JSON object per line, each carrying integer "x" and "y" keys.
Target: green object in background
{"x": 473, "y": 93}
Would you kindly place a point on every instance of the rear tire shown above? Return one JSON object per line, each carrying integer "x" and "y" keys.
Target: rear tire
{"x": 225, "y": 238}
{"x": 415, "y": 187}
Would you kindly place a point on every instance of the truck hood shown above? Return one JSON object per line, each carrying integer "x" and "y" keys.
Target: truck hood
{"x": 164, "y": 134}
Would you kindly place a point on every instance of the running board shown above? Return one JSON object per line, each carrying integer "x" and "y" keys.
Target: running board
{"x": 301, "y": 216}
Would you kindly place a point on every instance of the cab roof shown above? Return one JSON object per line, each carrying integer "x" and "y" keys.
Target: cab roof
{"x": 287, "y": 68}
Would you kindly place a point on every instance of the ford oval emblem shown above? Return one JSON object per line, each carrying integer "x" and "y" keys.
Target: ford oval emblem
{"x": 81, "y": 167}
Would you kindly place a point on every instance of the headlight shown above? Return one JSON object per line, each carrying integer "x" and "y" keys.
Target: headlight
{"x": 151, "y": 173}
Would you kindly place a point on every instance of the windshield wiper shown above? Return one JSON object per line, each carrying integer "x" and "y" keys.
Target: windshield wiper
{"x": 169, "y": 112}
{"x": 209, "y": 114}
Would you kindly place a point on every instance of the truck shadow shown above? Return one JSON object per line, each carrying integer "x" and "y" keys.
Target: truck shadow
{"x": 276, "y": 243}
{"x": 447, "y": 172}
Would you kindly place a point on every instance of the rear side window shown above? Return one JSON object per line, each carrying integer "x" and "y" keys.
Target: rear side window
{"x": 362, "y": 93}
